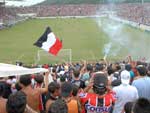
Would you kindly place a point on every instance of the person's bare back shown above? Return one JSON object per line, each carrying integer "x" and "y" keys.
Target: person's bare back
{"x": 48, "y": 104}
{"x": 32, "y": 97}
{"x": 2, "y": 105}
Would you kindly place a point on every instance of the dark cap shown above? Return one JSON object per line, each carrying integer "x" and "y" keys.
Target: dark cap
{"x": 100, "y": 80}
{"x": 66, "y": 89}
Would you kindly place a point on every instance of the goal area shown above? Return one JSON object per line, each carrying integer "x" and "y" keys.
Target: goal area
{"x": 43, "y": 57}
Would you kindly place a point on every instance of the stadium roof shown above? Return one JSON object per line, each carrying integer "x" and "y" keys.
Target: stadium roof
{"x": 17, "y": 3}
{"x": 1, "y": 1}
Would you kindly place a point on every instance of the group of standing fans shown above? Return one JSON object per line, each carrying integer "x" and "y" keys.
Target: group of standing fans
{"x": 103, "y": 87}
{"x": 135, "y": 12}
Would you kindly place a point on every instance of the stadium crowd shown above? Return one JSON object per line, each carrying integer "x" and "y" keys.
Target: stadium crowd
{"x": 140, "y": 12}
{"x": 102, "y": 87}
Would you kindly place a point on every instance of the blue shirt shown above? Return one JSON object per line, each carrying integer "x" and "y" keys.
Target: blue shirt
{"x": 143, "y": 86}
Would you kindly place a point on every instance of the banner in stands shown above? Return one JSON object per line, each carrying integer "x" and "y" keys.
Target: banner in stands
{"x": 11, "y": 70}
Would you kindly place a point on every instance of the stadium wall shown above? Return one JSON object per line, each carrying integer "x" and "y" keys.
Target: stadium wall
{"x": 133, "y": 24}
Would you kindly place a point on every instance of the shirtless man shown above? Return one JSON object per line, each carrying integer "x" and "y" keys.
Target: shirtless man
{"x": 33, "y": 94}
{"x": 53, "y": 93}
{"x": 2, "y": 100}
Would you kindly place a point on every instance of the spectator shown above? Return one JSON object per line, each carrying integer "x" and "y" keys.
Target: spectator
{"x": 61, "y": 80}
{"x": 101, "y": 100}
{"x": 143, "y": 83}
{"x": 116, "y": 67}
{"x": 75, "y": 92}
{"x": 128, "y": 107}
{"x": 17, "y": 86}
{"x": 66, "y": 93}
{"x": 115, "y": 79}
{"x": 59, "y": 106}
{"x": 142, "y": 105}
{"x": 33, "y": 94}
{"x": 54, "y": 74}
{"x": 100, "y": 68}
{"x": 17, "y": 103}
{"x": 124, "y": 92}
{"x": 53, "y": 94}
{"x": 7, "y": 87}
{"x": 2, "y": 100}
{"x": 148, "y": 71}
{"x": 39, "y": 79}
{"x": 128, "y": 67}
{"x": 86, "y": 76}
{"x": 76, "y": 80}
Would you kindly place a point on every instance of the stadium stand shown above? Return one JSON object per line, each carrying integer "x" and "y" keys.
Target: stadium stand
{"x": 1, "y": 13}
{"x": 67, "y": 87}
{"x": 140, "y": 12}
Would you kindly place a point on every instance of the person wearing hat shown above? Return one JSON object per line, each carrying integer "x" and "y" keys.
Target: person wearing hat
{"x": 101, "y": 100}
{"x": 124, "y": 92}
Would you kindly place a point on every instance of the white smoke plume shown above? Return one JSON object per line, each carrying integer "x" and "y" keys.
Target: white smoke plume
{"x": 121, "y": 38}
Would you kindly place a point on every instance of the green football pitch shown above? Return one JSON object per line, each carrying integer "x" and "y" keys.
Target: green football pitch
{"x": 83, "y": 35}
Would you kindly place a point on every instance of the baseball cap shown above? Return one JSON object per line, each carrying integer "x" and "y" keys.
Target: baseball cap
{"x": 66, "y": 89}
{"x": 125, "y": 77}
{"x": 100, "y": 80}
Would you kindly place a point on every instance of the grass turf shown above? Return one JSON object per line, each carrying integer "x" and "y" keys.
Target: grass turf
{"x": 82, "y": 35}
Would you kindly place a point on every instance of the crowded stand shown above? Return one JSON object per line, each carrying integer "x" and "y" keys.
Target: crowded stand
{"x": 82, "y": 87}
{"x": 94, "y": 87}
{"x": 1, "y": 15}
{"x": 140, "y": 12}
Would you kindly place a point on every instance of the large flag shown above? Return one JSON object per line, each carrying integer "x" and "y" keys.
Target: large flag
{"x": 49, "y": 42}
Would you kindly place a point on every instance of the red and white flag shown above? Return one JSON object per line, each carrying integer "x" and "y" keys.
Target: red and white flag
{"x": 49, "y": 42}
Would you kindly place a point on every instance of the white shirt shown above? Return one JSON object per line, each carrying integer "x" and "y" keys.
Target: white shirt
{"x": 124, "y": 94}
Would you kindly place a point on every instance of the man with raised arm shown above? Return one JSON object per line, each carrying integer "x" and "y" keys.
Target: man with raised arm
{"x": 33, "y": 94}
{"x": 101, "y": 100}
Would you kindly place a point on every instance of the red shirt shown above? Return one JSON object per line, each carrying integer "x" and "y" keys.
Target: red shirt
{"x": 92, "y": 103}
